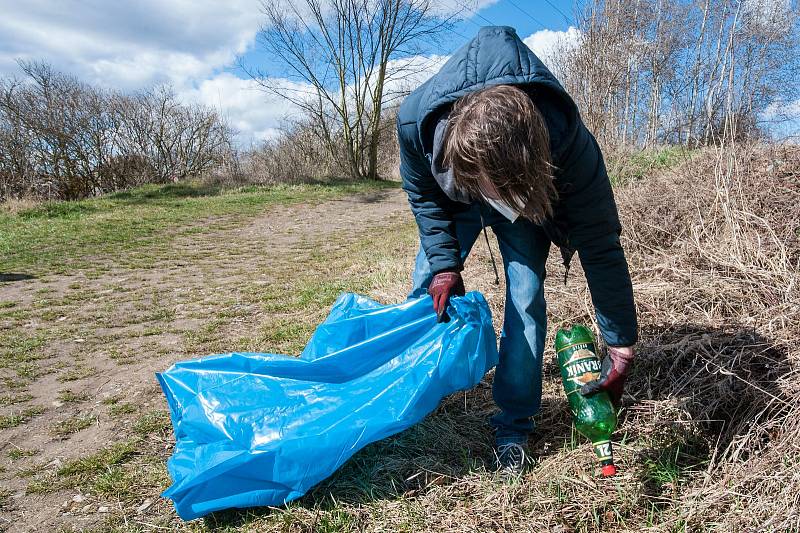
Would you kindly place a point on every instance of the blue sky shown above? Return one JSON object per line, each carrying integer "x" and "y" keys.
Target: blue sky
{"x": 194, "y": 46}
{"x": 526, "y": 16}
{"x": 520, "y": 14}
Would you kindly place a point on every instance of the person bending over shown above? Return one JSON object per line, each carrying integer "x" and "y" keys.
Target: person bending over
{"x": 493, "y": 139}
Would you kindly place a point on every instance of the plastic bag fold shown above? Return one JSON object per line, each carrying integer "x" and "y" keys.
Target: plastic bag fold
{"x": 255, "y": 429}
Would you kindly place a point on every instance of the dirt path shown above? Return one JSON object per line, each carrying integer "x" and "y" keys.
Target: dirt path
{"x": 89, "y": 345}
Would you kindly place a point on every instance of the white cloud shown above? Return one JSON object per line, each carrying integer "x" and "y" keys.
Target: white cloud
{"x": 258, "y": 114}
{"x": 782, "y": 120}
{"x": 134, "y": 45}
{"x": 549, "y": 44}
{"x": 780, "y": 109}
{"x": 768, "y": 15}
{"x": 409, "y": 73}
{"x": 128, "y": 44}
{"x": 255, "y": 113}
{"x": 465, "y": 8}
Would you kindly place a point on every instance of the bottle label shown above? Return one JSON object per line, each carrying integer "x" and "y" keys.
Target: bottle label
{"x": 582, "y": 366}
{"x": 602, "y": 449}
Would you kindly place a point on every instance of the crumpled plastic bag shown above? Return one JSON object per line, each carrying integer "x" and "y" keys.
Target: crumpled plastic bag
{"x": 256, "y": 429}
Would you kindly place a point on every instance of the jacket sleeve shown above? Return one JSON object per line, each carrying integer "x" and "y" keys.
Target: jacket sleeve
{"x": 609, "y": 281}
{"x": 429, "y": 205}
{"x": 594, "y": 231}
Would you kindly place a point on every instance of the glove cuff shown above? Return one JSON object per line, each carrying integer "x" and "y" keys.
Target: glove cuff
{"x": 454, "y": 270}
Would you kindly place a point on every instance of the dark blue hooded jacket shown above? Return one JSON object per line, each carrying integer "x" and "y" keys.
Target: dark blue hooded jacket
{"x": 585, "y": 218}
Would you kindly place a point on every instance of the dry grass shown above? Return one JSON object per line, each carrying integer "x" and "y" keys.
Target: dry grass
{"x": 715, "y": 255}
{"x": 14, "y": 206}
{"x": 711, "y": 433}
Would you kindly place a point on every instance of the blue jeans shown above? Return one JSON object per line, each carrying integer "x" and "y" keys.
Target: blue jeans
{"x": 517, "y": 387}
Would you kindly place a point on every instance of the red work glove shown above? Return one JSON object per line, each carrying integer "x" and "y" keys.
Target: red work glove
{"x": 443, "y": 286}
{"x": 613, "y": 372}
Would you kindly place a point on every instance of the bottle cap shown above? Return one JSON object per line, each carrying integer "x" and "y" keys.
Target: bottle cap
{"x": 609, "y": 470}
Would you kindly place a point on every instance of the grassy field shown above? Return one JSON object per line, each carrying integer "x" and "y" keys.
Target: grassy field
{"x": 108, "y": 291}
{"x": 61, "y": 237}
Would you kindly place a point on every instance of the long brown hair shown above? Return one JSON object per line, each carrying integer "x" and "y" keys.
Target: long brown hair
{"x": 498, "y": 146}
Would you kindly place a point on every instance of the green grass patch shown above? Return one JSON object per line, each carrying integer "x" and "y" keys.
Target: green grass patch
{"x": 12, "y": 399}
{"x": 31, "y": 471}
{"x": 129, "y": 481}
{"x": 160, "y": 314}
{"x": 93, "y": 464}
{"x": 68, "y": 396}
{"x": 205, "y": 335}
{"x": 671, "y": 457}
{"x": 632, "y": 166}
{"x": 115, "y": 482}
{"x": 65, "y": 428}
{"x": 152, "y": 422}
{"x": 152, "y": 331}
{"x": 120, "y": 409}
{"x": 19, "y": 352}
{"x": 62, "y": 236}
{"x": 337, "y": 520}
{"x": 127, "y": 357}
{"x": 77, "y": 372}
{"x": 14, "y": 420}
{"x": 15, "y": 314}
{"x": 669, "y": 467}
{"x": 15, "y": 383}
{"x": 86, "y": 471}
{"x": 18, "y": 453}
{"x": 287, "y": 335}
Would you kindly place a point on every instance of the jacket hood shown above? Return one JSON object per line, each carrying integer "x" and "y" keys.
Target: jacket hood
{"x": 495, "y": 56}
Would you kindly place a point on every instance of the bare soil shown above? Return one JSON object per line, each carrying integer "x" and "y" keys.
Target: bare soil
{"x": 105, "y": 336}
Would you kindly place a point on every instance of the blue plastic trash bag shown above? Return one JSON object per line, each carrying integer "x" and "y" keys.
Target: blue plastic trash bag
{"x": 258, "y": 429}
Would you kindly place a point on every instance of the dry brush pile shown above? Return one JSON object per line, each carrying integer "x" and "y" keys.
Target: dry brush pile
{"x": 714, "y": 249}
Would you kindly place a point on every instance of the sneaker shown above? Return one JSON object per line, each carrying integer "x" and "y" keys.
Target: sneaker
{"x": 511, "y": 458}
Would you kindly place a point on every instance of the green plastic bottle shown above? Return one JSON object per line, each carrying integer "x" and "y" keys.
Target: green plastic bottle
{"x": 594, "y": 416}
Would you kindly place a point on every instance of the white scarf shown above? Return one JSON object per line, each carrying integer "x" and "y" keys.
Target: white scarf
{"x": 511, "y": 213}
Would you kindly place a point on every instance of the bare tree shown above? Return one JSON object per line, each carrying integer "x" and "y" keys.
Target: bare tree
{"x": 178, "y": 140}
{"x": 63, "y": 124}
{"x": 341, "y": 55}
{"x": 648, "y": 72}
{"x": 61, "y": 138}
